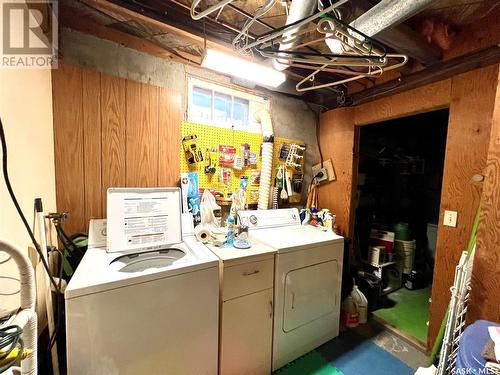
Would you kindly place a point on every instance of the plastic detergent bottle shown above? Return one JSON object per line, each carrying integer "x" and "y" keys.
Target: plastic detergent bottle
{"x": 351, "y": 315}
{"x": 361, "y": 304}
{"x": 230, "y": 231}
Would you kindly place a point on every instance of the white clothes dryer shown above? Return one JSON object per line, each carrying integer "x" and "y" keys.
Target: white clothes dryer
{"x": 307, "y": 286}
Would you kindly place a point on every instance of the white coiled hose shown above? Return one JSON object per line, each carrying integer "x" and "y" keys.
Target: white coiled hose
{"x": 264, "y": 117}
{"x": 26, "y": 318}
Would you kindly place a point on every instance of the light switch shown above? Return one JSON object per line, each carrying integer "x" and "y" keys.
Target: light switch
{"x": 450, "y": 218}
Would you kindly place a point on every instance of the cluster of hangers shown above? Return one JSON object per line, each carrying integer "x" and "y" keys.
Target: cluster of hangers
{"x": 354, "y": 55}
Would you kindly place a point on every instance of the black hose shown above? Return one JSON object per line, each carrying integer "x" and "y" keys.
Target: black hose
{"x": 18, "y": 208}
{"x": 317, "y": 117}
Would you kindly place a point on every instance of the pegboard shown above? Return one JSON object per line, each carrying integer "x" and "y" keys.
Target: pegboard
{"x": 211, "y": 137}
{"x": 278, "y": 142}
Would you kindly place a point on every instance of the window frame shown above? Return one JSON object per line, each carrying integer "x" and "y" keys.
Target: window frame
{"x": 254, "y": 102}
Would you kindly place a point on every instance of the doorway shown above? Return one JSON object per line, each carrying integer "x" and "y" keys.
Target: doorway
{"x": 400, "y": 173}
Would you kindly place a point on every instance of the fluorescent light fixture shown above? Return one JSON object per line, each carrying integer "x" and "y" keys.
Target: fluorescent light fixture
{"x": 246, "y": 69}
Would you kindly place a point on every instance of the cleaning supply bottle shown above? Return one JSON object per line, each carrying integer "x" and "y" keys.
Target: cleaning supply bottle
{"x": 361, "y": 304}
{"x": 350, "y": 314}
{"x": 230, "y": 230}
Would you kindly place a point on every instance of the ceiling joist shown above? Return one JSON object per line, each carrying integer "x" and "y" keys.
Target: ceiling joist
{"x": 165, "y": 29}
{"x": 435, "y": 73}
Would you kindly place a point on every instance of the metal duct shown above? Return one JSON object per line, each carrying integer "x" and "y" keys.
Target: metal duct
{"x": 383, "y": 16}
{"x": 298, "y": 10}
{"x": 386, "y": 14}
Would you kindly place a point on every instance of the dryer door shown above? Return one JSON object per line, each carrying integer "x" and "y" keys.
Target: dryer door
{"x": 310, "y": 293}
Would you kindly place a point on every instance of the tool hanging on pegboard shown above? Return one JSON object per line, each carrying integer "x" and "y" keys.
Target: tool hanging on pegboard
{"x": 289, "y": 166}
{"x": 191, "y": 151}
{"x": 217, "y": 170}
{"x": 295, "y": 156}
{"x": 211, "y": 158}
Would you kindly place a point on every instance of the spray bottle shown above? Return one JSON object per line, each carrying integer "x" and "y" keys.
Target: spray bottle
{"x": 230, "y": 231}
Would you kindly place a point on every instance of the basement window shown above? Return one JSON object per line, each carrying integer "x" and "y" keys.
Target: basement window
{"x": 224, "y": 107}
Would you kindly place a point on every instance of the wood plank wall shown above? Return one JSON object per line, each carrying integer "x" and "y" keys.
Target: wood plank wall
{"x": 486, "y": 272}
{"x": 421, "y": 99}
{"x": 109, "y": 131}
{"x": 67, "y": 96}
{"x": 469, "y": 125}
{"x": 337, "y": 143}
{"x": 471, "y": 99}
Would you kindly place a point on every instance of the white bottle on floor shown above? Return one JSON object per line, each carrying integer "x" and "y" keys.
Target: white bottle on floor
{"x": 361, "y": 304}
{"x": 350, "y": 312}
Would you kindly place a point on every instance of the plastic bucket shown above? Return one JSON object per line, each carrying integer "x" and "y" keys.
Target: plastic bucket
{"x": 406, "y": 252}
{"x": 402, "y": 231}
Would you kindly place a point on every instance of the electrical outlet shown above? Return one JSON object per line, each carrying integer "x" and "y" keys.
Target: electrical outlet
{"x": 321, "y": 175}
{"x": 450, "y": 218}
{"x": 327, "y": 172}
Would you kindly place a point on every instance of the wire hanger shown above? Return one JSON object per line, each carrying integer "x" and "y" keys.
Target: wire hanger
{"x": 355, "y": 56}
{"x": 198, "y": 16}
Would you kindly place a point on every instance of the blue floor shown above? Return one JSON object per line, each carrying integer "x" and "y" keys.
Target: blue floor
{"x": 348, "y": 354}
{"x": 353, "y": 354}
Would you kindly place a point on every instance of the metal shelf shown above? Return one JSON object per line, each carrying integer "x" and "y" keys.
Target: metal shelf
{"x": 379, "y": 265}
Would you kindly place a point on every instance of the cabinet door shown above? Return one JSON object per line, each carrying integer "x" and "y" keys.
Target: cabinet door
{"x": 247, "y": 334}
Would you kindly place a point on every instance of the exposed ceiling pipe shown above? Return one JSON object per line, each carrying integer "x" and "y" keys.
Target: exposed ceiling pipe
{"x": 403, "y": 39}
{"x": 386, "y": 14}
{"x": 299, "y": 9}
{"x": 383, "y": 16}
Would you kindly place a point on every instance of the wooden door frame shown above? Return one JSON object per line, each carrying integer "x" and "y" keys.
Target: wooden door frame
{"x": 355, "y": 168}
{"x": 437, "y": 96}
{"x": 470, "y": 98}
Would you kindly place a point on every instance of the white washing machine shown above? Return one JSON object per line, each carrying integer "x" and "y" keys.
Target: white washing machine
{"x": 150, "y": 311}
{"x": 307, "y": 284}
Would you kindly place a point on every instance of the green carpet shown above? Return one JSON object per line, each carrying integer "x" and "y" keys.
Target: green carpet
{"x": 312, "y": 363}
{"x": 410, "y": 312}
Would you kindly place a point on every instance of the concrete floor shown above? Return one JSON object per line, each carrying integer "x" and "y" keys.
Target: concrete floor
{"x": 392, "y": 343}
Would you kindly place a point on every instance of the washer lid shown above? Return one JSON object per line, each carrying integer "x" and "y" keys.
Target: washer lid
{"x": 143, "y": 218}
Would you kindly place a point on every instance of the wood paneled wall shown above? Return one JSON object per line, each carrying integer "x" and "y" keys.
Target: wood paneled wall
{"x": 471, "y": 100}
{"x": 110, "y": 132}
{"x": 486, "y": 272}
{"x": 419, "y": 100}
{"x": 337, "y": 143}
